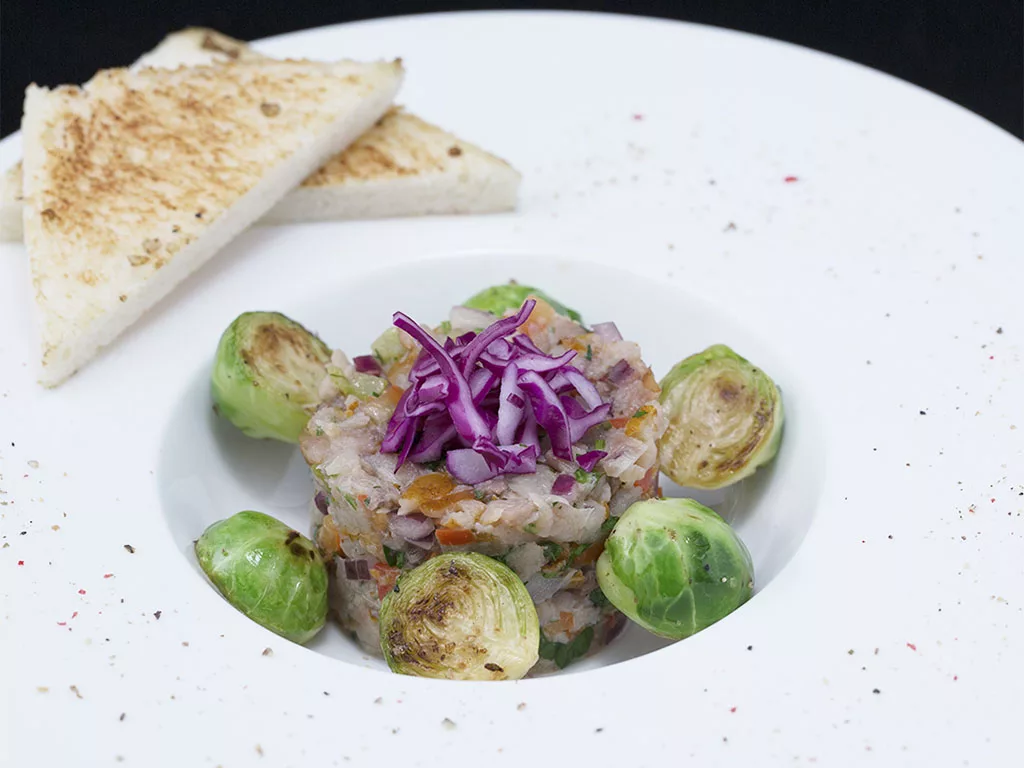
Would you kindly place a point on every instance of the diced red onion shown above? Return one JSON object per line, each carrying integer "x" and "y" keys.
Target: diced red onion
{"x": 356, "y": 570}
{"x": 563, "y": 484}
{"x": 411, "y": 527}
{"x": 619, "y": 372}
{"x": 542, "y": 588}
{"x": 588, "y": 460}
{"x": 321, "y": 502}
{"x": 367, "y": 364}
{"x": 607, "y": 331}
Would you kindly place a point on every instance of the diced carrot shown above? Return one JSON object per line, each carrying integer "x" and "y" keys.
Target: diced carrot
{"x": 391, "y": 395}
{"x": 636, "y": 424}
{"x": 327, "y": 536}
{"x": 566, "y": 621}
{"x": 620, "y": 422}
{"x": 590, "y": 554}
{"x": 455, "y": 536}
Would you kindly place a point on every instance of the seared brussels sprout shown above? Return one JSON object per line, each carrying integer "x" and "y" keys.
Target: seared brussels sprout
{"x": 725, "y": 419}
{"x": 267, "y": 374}
{"x": 269, "y": 572}
{"x": 460, "y": 616}
{"x": 500, "y": 298}
{"x": 674, "y": 567}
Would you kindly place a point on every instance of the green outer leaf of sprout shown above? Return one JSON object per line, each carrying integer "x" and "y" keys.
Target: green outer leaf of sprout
{"x": 267, "y": 374}
{"x": 267, "y": 571}
{"x": 674, "y": 567}
{"x": 725, "y": 419}
{"x": 500, "y": 298}
{"x": 460, "y": 616}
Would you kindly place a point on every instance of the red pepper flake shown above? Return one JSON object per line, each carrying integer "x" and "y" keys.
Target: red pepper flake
{"x": 108, "y": 575}
{"x": 790, "y": 179}
{"x": 911, "y": 646}
{"x": 638, "y": 117}
{"x": 955, "y": 678}
{"x": 74, "y": 615}
{"x": 991, "y": 357}
{"x": 993, "y": 501}
{"x": 81, "y": 591}
{"x": 21, "y": 562}
{"x": 62, "y": 623}
{"x": 732, "y": 709}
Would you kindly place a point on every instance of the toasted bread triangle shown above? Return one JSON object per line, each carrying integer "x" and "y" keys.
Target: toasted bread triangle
{"x": 401, "y": 166}
{"x": 136, "y": 179}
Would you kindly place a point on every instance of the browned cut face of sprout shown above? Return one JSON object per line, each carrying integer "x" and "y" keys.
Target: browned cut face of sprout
{"x": 724, "y": 419}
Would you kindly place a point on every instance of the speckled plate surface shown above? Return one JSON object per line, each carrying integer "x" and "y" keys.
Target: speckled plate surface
{"x": 863, "y": 239}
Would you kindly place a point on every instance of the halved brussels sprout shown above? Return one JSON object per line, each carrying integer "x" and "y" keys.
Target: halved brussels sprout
{"x": 724, "y": 419}
{"x": 271, "y": 573}
{"x": 267, "y": 374}
{"x": 674, "y": 567}
{"x": 500, "y": 298}
{"x": 460, "y": 616}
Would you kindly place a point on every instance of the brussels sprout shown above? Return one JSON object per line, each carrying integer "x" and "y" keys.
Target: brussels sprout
{"x": 460, "y": 616}
{"x": 269, "y": 572}
{"x": 674, "y": 567}
{"x": 725, "y": 419}
{"x": 267, "y": 375}
{"x": 500, "y": 298}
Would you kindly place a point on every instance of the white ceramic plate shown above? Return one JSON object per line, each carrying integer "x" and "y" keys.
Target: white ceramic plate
{"x": 858, "y": 237}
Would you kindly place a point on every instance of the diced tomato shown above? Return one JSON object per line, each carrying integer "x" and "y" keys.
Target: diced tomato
{"x": 455, "y": 536}
{"x": 620, "y": 422}
{"x": 566, "y": 621}
{"x": 385, "y": 576}
{"x": 649, "y": 482}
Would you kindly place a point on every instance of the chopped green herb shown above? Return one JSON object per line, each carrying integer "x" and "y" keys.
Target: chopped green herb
{"x": 608, "y": 524}
{"x": 583, "y": 477}
{"x": 478, "y": 495}
{"x": 445, "y": 328}
{"x": 552, "y": 551}
{"x": 351, "y": 501}
{"x": 590, "y": 353}
{"x": 394, "y": 557}
{"x": 433, "y": 466}
{"x": 597, "y": 598}
{"x": 530, "y": 528}
{"x": 564, "y": 654}
{"x": 578, "y": 550}
{"x": 640, "y": 414}
{"x": 600, "y": 444}
{"x": 319, "y": 431}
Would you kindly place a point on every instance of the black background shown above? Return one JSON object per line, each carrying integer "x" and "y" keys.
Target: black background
{"x": 970, "y": 51}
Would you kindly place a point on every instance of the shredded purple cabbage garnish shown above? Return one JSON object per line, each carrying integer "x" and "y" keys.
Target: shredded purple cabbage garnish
{"x": 480, "y": 399}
